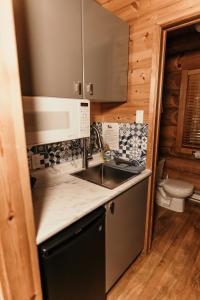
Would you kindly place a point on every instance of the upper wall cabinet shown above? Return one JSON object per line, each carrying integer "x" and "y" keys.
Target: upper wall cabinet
{"x": 49, "y": 36}
{"x": 71, "y": 49}
{"x": 105, "y": 54}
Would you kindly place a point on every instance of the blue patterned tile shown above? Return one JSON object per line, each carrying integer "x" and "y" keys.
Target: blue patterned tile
{"x": 133, "y": 139}
{"x": 56, "y": 153}
{"x": 133, "y": 142}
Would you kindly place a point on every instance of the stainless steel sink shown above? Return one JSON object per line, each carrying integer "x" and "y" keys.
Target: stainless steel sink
{"x": 105, "y": 176}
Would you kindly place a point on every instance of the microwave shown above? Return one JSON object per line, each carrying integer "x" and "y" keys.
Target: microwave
{"x": 48, "y": 119}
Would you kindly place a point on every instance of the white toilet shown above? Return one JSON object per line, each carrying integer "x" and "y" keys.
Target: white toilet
{"x": 171, "y": 193}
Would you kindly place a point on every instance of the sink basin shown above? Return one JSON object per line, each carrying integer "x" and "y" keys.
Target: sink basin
{"x": 105, "y": 176}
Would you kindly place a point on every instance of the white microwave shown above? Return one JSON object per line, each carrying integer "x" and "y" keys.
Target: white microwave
{"x": 49, "y": 119}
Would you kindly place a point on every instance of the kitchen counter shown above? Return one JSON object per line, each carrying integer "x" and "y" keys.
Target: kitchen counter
{"x": 61, "y": 199}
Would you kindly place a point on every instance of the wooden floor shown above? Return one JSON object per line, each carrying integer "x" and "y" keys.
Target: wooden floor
{"x": 172, "y": 269}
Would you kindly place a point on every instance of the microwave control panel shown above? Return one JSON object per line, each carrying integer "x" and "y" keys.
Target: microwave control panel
{"x": 84, "y": 119}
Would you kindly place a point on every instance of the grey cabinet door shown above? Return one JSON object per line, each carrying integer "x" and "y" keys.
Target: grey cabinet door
{"x": 105, "y": 54}
{"x": 125, "y": 226}
{"x": 49, "y": 36}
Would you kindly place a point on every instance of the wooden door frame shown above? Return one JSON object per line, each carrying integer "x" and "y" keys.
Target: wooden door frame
{"x": 19, "y": 268}
{"x": 162, "y": 27}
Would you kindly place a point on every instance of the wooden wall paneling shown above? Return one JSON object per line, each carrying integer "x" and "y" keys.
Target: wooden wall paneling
{"x": 170, "y": 118}
{"x": 19, "y": 272}
{"x": 126, "y": 13}
{"x": 141, "y": 39}
{"x": 173, "y": 63}
{"x": 140, "y": 60}
{"x": 171, "y": 100}
{"x": 139, "y": 91}
{"x": 96, "y": 112}
{"x": 139, "y": 76}
{"x": 169, "y": 131}
{"x": 114, "y": 5}
{"x": 183, "y": 46}
{"x": 184, "y": 164}
{"x": 178, "y": 11}
{"x": 167, "y": 143}
{"x": 169, "y": 13}
{"x": 172, "y": 80}
{"x": 149, "y": 7}
{"x": 185, "y": 61}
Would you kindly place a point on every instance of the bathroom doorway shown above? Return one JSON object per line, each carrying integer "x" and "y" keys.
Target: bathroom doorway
{"x": 179, "y": 122}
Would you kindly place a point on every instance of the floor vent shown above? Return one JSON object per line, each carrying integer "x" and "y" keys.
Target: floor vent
{"x": 195, "y": 197}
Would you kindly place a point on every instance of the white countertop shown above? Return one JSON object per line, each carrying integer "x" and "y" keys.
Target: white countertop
{"x": 60, "y": 199}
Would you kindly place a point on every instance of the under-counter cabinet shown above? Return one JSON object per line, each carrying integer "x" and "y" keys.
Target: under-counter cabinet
{"x": 125, "y": 227}
{"x": 73, "y": 261}
{"x": 71, "y": 49}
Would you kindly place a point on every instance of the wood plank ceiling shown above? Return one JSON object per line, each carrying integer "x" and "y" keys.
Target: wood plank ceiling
{"x": 125, "y": 9}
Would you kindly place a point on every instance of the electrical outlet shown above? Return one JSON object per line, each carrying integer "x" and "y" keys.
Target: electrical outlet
{"x": 139, "y": 116}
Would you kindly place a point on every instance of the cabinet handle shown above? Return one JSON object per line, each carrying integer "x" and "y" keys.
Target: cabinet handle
{"x": 90, "y": 89}
{"x": 78, "y": 88}
{"x": 112, "y": 207}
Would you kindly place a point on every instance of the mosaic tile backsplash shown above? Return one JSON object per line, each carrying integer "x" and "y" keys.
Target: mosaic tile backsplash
{"x": 132, "y": 146}
{"x": 43, "y": 156}
{"x": 133, "y": 138}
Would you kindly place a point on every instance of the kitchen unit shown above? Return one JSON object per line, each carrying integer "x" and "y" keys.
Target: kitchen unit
{"x": 71, "y": 49}
{"x": 62, "y": 202}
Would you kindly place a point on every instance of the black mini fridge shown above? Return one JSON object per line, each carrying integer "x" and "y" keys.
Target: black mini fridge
{"x": 72, "y": 263}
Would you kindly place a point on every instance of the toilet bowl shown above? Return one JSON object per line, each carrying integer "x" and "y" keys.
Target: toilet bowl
{"x": 171, "y": 193}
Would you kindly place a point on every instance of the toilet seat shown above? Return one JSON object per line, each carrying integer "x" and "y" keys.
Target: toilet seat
{"x": 171, "y": 193}
{"x": 177, "y": 188}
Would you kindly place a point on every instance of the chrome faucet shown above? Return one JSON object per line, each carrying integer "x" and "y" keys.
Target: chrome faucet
{"x": 85, "y": 154}
{"x": 88, "y": 154}
{"x": 99, "y": 138}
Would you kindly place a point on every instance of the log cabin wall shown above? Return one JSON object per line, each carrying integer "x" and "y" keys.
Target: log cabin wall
{"x": 183, "y": 53}
{"x": 144, "y": 17}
